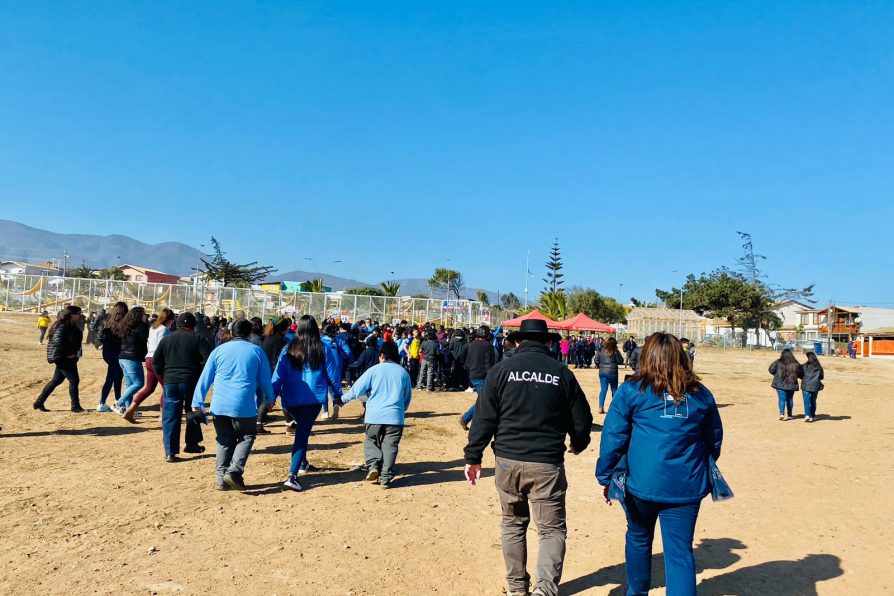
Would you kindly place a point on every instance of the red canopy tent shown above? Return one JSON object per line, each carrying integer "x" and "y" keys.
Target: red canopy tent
{"x": 534, "y": 314}
{"x": 582, "y": 322}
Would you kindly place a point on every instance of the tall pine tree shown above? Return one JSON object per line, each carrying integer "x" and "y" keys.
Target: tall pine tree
{"x": 554, "y": 275}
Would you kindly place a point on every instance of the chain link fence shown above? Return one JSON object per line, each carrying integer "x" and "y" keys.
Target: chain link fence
{"x": 33, "y": 293}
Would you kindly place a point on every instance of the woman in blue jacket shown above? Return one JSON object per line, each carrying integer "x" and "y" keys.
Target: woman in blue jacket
{"x": 667, "y": 424}
{"x": 304, "y": 373}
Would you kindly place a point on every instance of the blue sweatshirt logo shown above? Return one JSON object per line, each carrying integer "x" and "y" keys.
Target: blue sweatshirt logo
{"x": 672, "y": 410}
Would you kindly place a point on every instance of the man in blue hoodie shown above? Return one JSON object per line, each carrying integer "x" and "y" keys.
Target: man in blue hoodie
{"x": 237, "y": 369}
{"x": 390, "y": 390}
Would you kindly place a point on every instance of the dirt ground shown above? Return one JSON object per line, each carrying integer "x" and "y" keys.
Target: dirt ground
{"x": 90, "y": 506}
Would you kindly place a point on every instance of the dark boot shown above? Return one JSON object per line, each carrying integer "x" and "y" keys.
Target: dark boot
{"x": 38, "y": 405}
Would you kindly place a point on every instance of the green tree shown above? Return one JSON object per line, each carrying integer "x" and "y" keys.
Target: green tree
{"x": 112, "y": 273}
{"x": 554, "y": 275}
{"x": 390, "y": 288}
{"x": 447, "y": 280}
{"x": 365, "y": 291}
{"x": 81, "y": 271}
{"x": 510, "y": 301}
{"x": 219, "y": 268}
{"x": 596, "y": 306}
{"x": 554, "y": 305}
{"x": 481, "y": 296}
{"x": 313, "y": 285}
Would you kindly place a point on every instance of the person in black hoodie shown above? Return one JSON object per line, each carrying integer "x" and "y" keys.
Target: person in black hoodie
{"x": 178, "y": 361}
{"x": 459, "y": 349}
{"x": 274, "y": 342}
{"x": 62, "y": 351}
{"x": 134, "y": 334}
{"x": 811, "y": 385}
{"x": 481, "y": 359}
{"x": 529, "y": 405}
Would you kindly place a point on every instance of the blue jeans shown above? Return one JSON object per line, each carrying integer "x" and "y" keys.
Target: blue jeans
{"x": 677, "y": 529}
{"x": 476, "y": 384}
{"x": 114, "y": 375}
{"x": 604, "y": 381}
{"x": 176, "y": 398}
{"x": 304, "y": 417}
{"x": 133, "y": 380}
{"x": 810, "y": 403}
{"x": 786, "y": 401}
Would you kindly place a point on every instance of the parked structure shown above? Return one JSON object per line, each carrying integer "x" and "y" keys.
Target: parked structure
{"x": 135, "y": 273}
{"x": 642, "y": 321}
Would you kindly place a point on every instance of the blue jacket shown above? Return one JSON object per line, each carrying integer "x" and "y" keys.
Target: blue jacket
{"x": 390, "y": 390}
{"x": 239, "y": 371}
{"x": 334, "y": 352}
{"x": 341, "y": 342}
{"x": 306, "y": 387}
{"x": 667, "y": 447}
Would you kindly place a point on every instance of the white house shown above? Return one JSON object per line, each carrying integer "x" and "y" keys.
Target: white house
{"x": 23, "y": 268}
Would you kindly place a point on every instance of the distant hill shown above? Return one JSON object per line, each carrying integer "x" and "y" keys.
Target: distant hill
{"x": 21, "y": 242}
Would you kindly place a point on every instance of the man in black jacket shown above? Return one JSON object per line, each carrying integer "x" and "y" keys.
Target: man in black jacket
{"x": 63, "y": 350}
{"x": 178, "y": 362}
{"x": 529, "y": 404}
{"x": 481, "y": 359}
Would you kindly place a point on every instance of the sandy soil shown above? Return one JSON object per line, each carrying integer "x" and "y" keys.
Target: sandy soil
{"x": 90, "y": 506}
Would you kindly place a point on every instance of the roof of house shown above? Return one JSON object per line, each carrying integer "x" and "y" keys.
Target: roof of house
{"x": 879, "y": 331}
{"x": 787, "y": 302}
{"x": 146, "y": 270}
{"x": 642, "y": 312}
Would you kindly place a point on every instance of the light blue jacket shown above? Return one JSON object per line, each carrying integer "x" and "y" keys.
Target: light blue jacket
{"x": 238, "y": 370}
{"x": 307, "y": 387}
{"x": 667, "y": 446}
{"x": 390, "y": 391}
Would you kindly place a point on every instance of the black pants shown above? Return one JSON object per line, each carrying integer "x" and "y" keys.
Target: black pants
{"x": 414, "y": 370}
{"x": 67, "y": 369}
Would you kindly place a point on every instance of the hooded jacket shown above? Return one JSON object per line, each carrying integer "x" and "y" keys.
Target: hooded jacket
{"x": 667, "y": 446}
{"x": 134, "y": 345}
{"x": 480, "y": 358}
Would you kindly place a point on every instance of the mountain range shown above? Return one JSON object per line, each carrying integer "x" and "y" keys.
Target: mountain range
{"x": 19, "y": 242}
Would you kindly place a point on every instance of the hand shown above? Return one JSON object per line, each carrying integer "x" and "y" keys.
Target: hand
{"x": 572, "y": 450}
{"x": 473, "y": 473}
{"x": 605, "y": 496}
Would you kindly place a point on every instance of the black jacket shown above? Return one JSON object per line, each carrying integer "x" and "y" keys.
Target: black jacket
{"x": 459, "y": 347}
{"x": 607, "y": 365}
{"x": 635, "y": 355}
{"x": 134, "y": 344}
{"x": 272, "y": 346}
{"x": 180, "y": 356}
{"x": 64, "y": 343}
{"x": 529, "y": 403}
{"x": 111, "y": 343}
{"x": 480, "y": 358}
{"x": 429, "y": 350}
{"x": 779, "y": 381}
{"x": 813, "y": 378}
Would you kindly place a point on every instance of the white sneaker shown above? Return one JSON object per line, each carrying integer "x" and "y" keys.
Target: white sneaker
{"x": 103, "y": 408}
{"x": 782, "y": 416}
{"x": 335, "y": 412}
{"x": 470, "y": 390}
{"x": 325, "y": 415}
{"x": 119, "y": 409}
{"x": 292, "y": 484}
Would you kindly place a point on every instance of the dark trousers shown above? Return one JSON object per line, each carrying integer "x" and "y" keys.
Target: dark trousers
{"x": 114, "y": 376}
{"x": 177, "y": 397}
{"x": 43, "y": 332}
{"x": 380, "y": 448}
{"x": 677, "y": 529}
{"x": 304, "y": 417}
{"x": 414, "y": 370}
{"x": 67, "y": 369}
{"x": 235, "y": 437}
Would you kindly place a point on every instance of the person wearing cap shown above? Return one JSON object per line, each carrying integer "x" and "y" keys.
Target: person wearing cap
{"x": 178, "y": 360}
{"x": 237, "y": 370}
{"x": 528, "y": 405}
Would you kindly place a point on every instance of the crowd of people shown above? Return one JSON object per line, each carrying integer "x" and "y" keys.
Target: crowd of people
{"x": 660, "y": 441}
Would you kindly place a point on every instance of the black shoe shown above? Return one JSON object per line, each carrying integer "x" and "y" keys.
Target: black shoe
{"x": 172, "y": 459}
{"x": 234, "y": 481}
{"x": 39, "y": 406}
{"x": 463, "y": 423}
{"x": 194, "y": 449}
{"x": 77, "y": 409}
{"x": 261, "y": 430}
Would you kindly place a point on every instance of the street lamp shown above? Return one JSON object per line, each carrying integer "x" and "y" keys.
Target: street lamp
{"x": 620, "y": 286}
{"x": 314, "y": 263}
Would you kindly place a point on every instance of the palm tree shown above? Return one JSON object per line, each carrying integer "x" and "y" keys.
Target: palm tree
{"x": 390, "y": 288}
{"x": 313, "y": 285}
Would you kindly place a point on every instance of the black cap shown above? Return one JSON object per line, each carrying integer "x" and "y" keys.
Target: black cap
{"x": 186, "y": 320}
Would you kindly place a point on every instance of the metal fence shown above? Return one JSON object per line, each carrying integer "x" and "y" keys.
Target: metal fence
{"x": 33, "y": 293}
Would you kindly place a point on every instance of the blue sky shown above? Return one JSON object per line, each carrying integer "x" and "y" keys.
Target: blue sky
{"x": 394, "y": 136}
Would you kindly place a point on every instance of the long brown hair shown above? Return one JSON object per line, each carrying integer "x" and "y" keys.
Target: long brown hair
{"x": 789, "y": 365}
{"x": 64, "y": 317}
{"x": 610, "y": 346}
{"x": 116, "y": 317}
{"x": 133, "y": 318}
{"x": 665, "y": 368}
{"x": 166, "y": 315}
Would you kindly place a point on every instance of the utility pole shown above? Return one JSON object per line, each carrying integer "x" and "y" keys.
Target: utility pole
{"x": 829, "y": 326}
{"x": 64, "y": 261}
{"x": 527, "y": 275}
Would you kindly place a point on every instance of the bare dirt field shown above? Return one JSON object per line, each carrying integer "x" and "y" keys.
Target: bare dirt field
{"x": 90, "y": 506}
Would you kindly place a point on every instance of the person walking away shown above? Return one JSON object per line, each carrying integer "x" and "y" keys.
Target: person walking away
{"x": 111, "y": 350}
{"x": 177, "y": 361}
{"x": 236, "y": 370}
{"x": 607, "y": 361}
{"x": 667, "y": 424}
{"x": 629, "y": 346}
{"x": 134, "y": 334}
{"x": 63, "y": 347}
{"x": 338, "y": 352}
{"x": 481, "y": 359}
{"x": 43, "y": 323}
{"x": 389, "y": 391}
{"x": 274, "y": 341}
{"x": 811, "y": 385}
{"x": 459, "y": 350}
{"x": 786, "y": 371}
{"x": 159, "y": 329}
{"x": 529, "y": 404}
{"x": 413, "y": 355}
{"x": 305, "y": 372}
{"x": 689, "y": 349}
{"x": 635, "y": 357}
{"x": 428, "y": 352}
{"x": 368, "y": 358}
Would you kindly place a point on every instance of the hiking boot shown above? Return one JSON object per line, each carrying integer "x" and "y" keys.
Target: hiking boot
{"x": 38, "y": 405}
{"x": 77, "y": 408}
{"x": 234, "y": 480}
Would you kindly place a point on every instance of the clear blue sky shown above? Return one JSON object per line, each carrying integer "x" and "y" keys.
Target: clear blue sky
{"x": 643, "y": 135}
